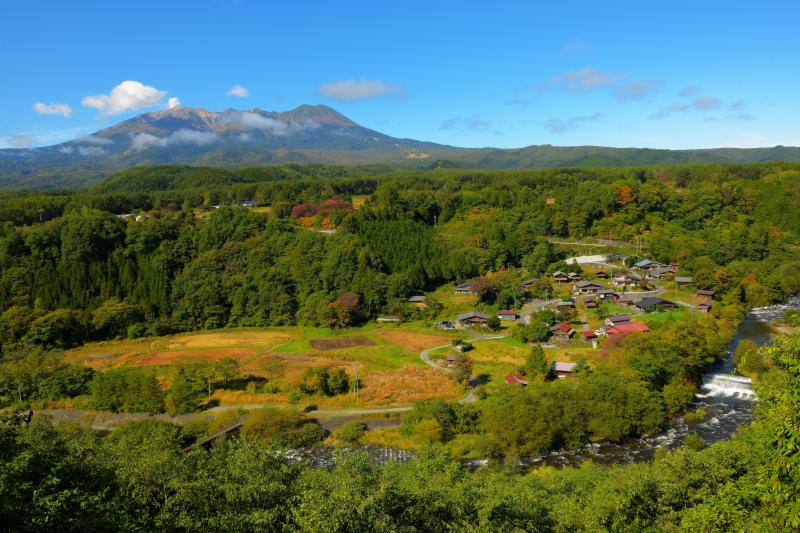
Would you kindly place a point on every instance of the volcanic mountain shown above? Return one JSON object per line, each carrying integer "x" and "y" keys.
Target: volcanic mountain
{"x": 319, "y": 134}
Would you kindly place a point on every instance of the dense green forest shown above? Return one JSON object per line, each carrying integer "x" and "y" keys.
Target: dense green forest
{"x": 136, "y": 478}
{"x": 72, "y": 270}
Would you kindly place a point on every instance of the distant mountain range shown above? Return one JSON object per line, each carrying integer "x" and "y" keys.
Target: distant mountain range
{"x": 319, "y": 134}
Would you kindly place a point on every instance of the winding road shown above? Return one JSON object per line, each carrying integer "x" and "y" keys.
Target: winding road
{"x": 425, "y": 356}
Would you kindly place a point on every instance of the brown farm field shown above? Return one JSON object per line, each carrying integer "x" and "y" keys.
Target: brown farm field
{"x": 412, "y": 341}
{"x": 333, "y": 344}
{"x": 389, "y": 367}
{"x": 194, "y": 357}
{"x": 237, "y": 338}
{"x": 289, "y": 368}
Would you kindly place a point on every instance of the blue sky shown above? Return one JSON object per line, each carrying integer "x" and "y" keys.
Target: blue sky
{"x": 506, "y": 74}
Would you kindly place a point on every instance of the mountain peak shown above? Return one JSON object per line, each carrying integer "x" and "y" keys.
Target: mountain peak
{"x": 321, "y": 114}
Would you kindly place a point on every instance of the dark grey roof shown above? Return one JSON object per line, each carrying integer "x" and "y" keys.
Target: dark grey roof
{"x": 651, "y": 301}
{"x": 474, "y": 314}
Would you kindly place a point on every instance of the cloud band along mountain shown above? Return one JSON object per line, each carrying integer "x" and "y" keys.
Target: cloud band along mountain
{"x": 184, "y": 135}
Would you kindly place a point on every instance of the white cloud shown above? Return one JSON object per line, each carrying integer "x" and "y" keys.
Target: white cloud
{"x": 238, "y": 91}
{"x": 66, "y": 149}
{"x": 91, "y": 139}
{"x": 634, "y": 90}
{"x": 141, "y": 141}
{"x": 185, "y": 136}
{"x": 704, "y": 103}
{"x": 572, "y": 46}
{"x": 173, "y": 102}
{"x": 52, "y": 109}
{"x": 689, "y": 91}
{"x": 557, "y": 125}
{"x": 182, "y": 136}
{"x": 360, "y": 89}
{"x": 253, "y": 121}
{"x": 91, "y": 150}
{"x": 22, "y": 140}
{"x": 583, "y": 80}
{"x": 741, "y": 115}
{"x": 519, "y": 102}
{"x": 474, "y": 122}
{"x": 127, "y": 96}
{"x": 699, "y": 103}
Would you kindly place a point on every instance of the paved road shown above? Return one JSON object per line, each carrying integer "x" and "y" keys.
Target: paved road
{"x": 347, "y": 411}
{"x": 425, "y": 356}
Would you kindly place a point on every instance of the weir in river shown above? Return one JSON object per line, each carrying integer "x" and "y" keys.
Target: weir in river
{"x": 726, "y": 385}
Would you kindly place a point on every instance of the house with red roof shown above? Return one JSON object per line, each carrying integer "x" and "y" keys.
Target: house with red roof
{"x": 561, "y": 332}
{"x": 516, "y": 379}
{"x": 626, "y": 328}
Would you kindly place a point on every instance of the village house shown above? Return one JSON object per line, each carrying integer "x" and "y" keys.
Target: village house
{"x": 453, "y": 360}
{"x": 590, "y": 303}
{"x": 617, "y": 319}
{"x": 559, "y": 304}
{"x": 563, "y": 369}
{"x": 646, "y": 264}
{"x": 561, "y": 332}
{"x": 607, "y": 294}
{"x": 560, "y": 276}
{"x": 627, "y": 328}
{"x": 507, "y": 314}
{"x": 516, "y": 379}
{"x": 657, "y": 272}
{"x": 418, "y": 301}
{"x": 705, "y": 296}
{"x": 467, "y": 287}
{"x": 588, "y": 336}
{"x": 625, "y": 280}
{"x": 683, "y": 280}
{"x": 574, "y": 276}
{"x": 601, "y": 274}
{"x": 528, "y": 284}
{"x": 474, "y": 318}
{"x": 704, "y": 307}
{"x": 654, "y": 303}
{"x": 584, "y": 287}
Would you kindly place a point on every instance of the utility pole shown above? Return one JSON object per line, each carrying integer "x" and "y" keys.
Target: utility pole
{"x": 356, "y": 385}
{"x": 516, "y": 360}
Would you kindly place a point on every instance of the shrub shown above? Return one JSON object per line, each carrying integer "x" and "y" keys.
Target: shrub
{"x": 429, "y": 431}
{"x": 693, "y": 441}
{"x": 223, "y": 420}
{"x": 351, "y": 431}
{"x": 283, "y": 428}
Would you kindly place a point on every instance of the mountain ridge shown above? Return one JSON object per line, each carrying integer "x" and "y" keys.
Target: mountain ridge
{"x": 307, "y": 133}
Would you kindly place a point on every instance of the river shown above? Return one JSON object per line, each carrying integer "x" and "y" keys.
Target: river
{"x": 726, "y": 410}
